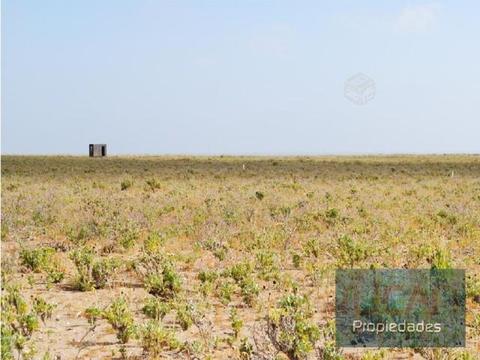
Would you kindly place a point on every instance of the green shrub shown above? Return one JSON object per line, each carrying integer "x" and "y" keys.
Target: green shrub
{"x": 350, "y": 252}
{"x": 126, "y": 184}
{"x": 206, "y": 288}
{"x": 312, "y": 247}
{"x": 5, "y": 230}
{"x": 121, "y": 319}
{"x": 159, "y": 276}
{"x": 128, "y": 236}
{"x": 473, "y": 288}
{"x": 435, "y": 256}
{"x": 445, "y": 217}
{"x": 91, "y": 273}
{"x": 153, "y": 184}
{"x": 374, "y": 355}
{"x": 43, "y": 309}
{"x": 236, "y": 322}
{"x": 79, "y": 236}
{"x": 83, "y": 259}
{"x": 207, "y": 276}
{"x": 38, "y": 259}
{"x": 239, "y": 271}
{"x": 476, "y": 325}
{"x": 118, "y": 315}
{"x": 103, "y": 271}
{"x": 92, "y": 314}
{"x": 43, "y": 260}
{"x": 245, "y": 349}
{"x": 440, "y": 259}
{"x": 165, "y": 285}
{"x": 18, "y": 322}
{"x": 267, "y": 264}
{"x": 220, "y": 253}
{"x": 218, "y": 249}
{"x": 54, "y": 275}
{"x": 155, "y": 339}
{"x": 225, "y": 292}
{"x": 290, "y": 329}
{"x": 331, "y": 214}
{"x": 153, "y": 243}
{"x": 329, "y": 350}
{"x": 259, "y": 195}
{"x": 250, "y": 290}
{"x": 296, "y": 260}
{"x": 156, "y": 308}
{"x": 316, "y": 272}
{"x": 185, "y": 315}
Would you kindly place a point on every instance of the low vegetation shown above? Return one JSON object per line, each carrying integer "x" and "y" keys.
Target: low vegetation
{"x": 214, "y": 258}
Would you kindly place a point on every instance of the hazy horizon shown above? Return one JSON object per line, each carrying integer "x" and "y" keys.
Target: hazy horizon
{"x": 249, "y": 78}
{"x": 252, "y": 155}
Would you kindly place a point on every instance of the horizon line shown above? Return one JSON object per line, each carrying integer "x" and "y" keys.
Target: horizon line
{"x": 360, "y": 154}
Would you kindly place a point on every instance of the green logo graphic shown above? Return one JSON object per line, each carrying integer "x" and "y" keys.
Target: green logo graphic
{"x": 400, "y": 308}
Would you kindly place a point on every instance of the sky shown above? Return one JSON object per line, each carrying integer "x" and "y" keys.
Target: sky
{"x": 240, "y": 77}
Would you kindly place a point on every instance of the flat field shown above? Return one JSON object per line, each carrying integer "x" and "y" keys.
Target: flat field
{"x": 221, "y": 257}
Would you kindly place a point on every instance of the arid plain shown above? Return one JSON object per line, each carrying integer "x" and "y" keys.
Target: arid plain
{"x": 221, "y": 257}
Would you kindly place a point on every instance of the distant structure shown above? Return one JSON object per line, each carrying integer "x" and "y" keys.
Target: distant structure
{"x": 97, "y": 150}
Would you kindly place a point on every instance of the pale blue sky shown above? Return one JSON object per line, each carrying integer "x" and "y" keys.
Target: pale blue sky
{"x": 239, "y": 77}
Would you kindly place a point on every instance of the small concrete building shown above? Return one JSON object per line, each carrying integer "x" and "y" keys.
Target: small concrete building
{"x": 97, "y": 150}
